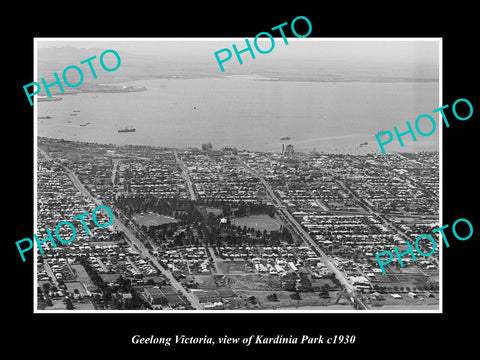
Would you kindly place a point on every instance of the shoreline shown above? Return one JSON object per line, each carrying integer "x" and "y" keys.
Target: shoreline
{"x": 191, "y": 148}
{"x": 89, "y": 88}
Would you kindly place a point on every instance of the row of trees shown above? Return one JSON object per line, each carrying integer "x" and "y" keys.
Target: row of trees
{"x": 296, "y": 296}
{"x": 177, "y": 207}
{"x": 426, "y": 287}
{"x": 245, "y": 209}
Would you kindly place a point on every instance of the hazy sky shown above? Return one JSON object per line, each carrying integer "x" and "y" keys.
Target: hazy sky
{"x": 423, "y": 51}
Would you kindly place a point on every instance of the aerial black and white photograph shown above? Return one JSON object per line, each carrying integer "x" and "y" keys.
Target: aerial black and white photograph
{"x": 293, "y": 180}
{"x": 259, "y": 188}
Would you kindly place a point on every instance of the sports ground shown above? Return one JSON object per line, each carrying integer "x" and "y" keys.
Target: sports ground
{"x": 257, "y": 222}
{"x": 153, "y": 219}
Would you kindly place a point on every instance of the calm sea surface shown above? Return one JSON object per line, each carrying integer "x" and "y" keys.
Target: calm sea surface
{"x": 246, "y": 113}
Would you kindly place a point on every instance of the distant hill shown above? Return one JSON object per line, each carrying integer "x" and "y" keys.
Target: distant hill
{"x": 55, "y": 59}
{"x": 133, "y": 67}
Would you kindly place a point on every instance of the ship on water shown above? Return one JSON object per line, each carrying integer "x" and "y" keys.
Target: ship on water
{"x": 126, "y": 129}
{"x": 44, "y": 117}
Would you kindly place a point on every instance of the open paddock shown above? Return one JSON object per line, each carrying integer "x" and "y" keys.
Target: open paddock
{"x": 153, "y": 219}
{"x": 406, "y": 303}
{"x": 232, "y": 267}
{"x": 254, "y": 282}
{"x": 285, "y": 302}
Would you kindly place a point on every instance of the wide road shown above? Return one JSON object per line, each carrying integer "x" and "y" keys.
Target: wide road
{"x": 116, "y": 163}
{"x": 216, "y": 260}
{"x": 186, "y": 175}
{"x": 45, "y": 154}
{"x": 145, "y": 253}
{"x": 306, "y": 237}
{"x": 134, "y": 240}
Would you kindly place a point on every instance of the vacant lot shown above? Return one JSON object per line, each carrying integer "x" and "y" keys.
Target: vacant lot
{"x": 254, "y": 282}
{"x": 83, "y": 305}
{"x": 81, "y": 273}
{"x": 205, "y": 281}
{"x": 232, "y": 267}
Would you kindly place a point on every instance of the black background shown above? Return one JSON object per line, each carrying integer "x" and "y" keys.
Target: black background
{"x": 109, "y": 334}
